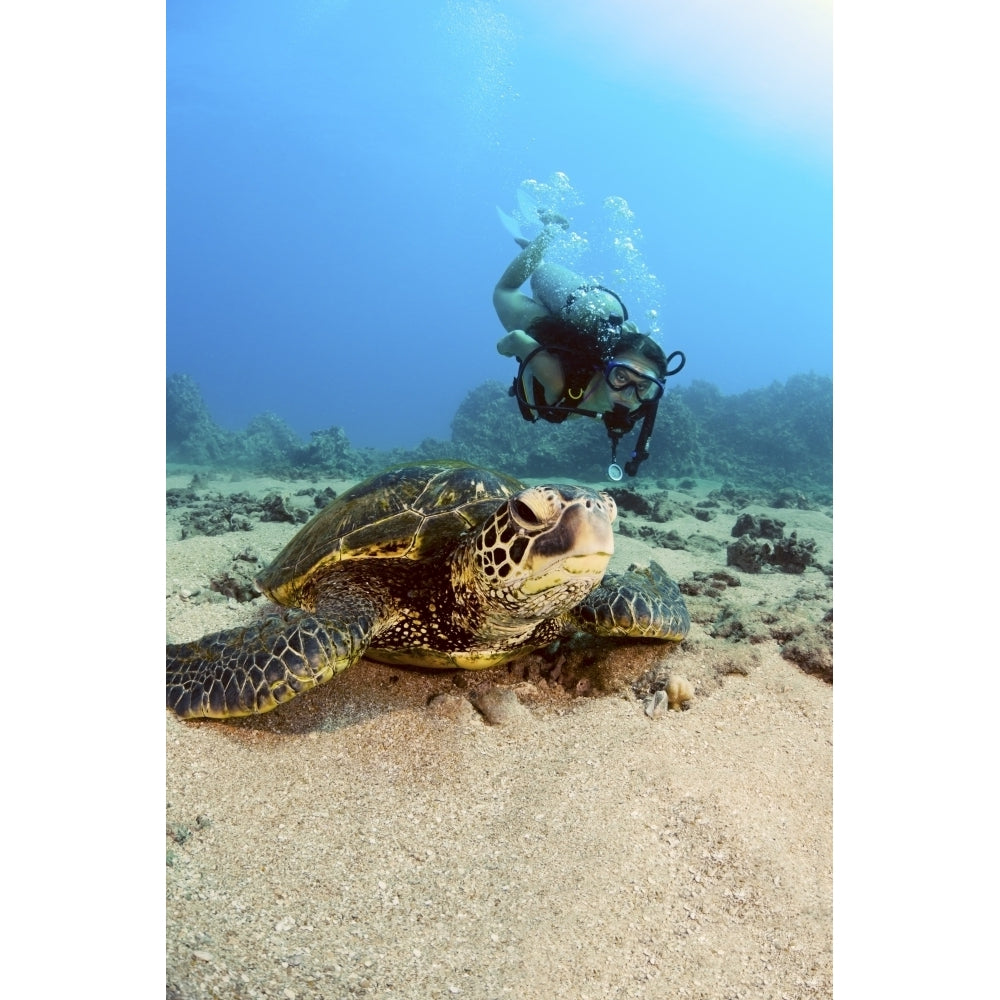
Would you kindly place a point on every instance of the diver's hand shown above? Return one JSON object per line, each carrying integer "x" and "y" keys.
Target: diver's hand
{"x": 517, "y": 344}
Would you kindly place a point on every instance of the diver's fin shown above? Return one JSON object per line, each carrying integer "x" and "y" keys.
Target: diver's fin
{"x": 511, "y": 225}
{"x": 527, "y": 205}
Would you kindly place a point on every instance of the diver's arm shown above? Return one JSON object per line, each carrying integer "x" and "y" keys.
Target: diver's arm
{"x": 547, "y": 369}
{"x": 543, "y": 367}
{"x": 514, "y": 308}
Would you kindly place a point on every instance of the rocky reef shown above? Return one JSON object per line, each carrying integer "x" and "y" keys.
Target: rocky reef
{"x": 268, "y": 446}
{"x": 192, "y": 435}
{"x": 765, "y": 439}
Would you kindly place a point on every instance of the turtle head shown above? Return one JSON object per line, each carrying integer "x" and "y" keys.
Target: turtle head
{"x": 543, "y": 551}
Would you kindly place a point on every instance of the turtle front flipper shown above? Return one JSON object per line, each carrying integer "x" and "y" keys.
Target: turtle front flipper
{"x": 247, "y": 671}
{"x": 639, "y": 604}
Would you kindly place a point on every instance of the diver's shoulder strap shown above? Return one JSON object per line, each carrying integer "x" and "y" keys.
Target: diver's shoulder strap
{"x": 519, "y": 396}
{"x": 575, "y": 380}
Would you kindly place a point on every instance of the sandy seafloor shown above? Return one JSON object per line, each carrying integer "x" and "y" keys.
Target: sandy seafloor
{"x": 363, "y": 841}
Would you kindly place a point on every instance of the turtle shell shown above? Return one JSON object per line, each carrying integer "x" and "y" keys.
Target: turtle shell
{"x": 407, "y": 512}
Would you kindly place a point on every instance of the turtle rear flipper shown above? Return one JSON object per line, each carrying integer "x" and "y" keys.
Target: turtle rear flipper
{"x": 251, "y": 670}
{"x": 639, "y": 604}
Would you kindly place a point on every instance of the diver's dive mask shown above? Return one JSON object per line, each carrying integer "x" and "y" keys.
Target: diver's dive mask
{"x": 621, "y": 376}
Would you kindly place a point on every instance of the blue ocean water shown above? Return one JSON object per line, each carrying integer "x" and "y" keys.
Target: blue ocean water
{"x": 334, "y": 171}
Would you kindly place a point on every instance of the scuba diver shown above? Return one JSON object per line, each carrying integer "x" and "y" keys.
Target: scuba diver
{"x": 579, "y": 354}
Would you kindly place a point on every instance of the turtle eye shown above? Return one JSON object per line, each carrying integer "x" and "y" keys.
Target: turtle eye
{"x": 524, "y": 515}
{"x": 535, "y": 508}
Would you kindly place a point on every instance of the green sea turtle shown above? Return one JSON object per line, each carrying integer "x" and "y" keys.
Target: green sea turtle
{"x": 437, "y": 565}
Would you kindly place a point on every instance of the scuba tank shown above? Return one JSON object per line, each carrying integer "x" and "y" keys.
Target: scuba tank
{"x": 553, "y": 284}
{"x": 571, "y": 297}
